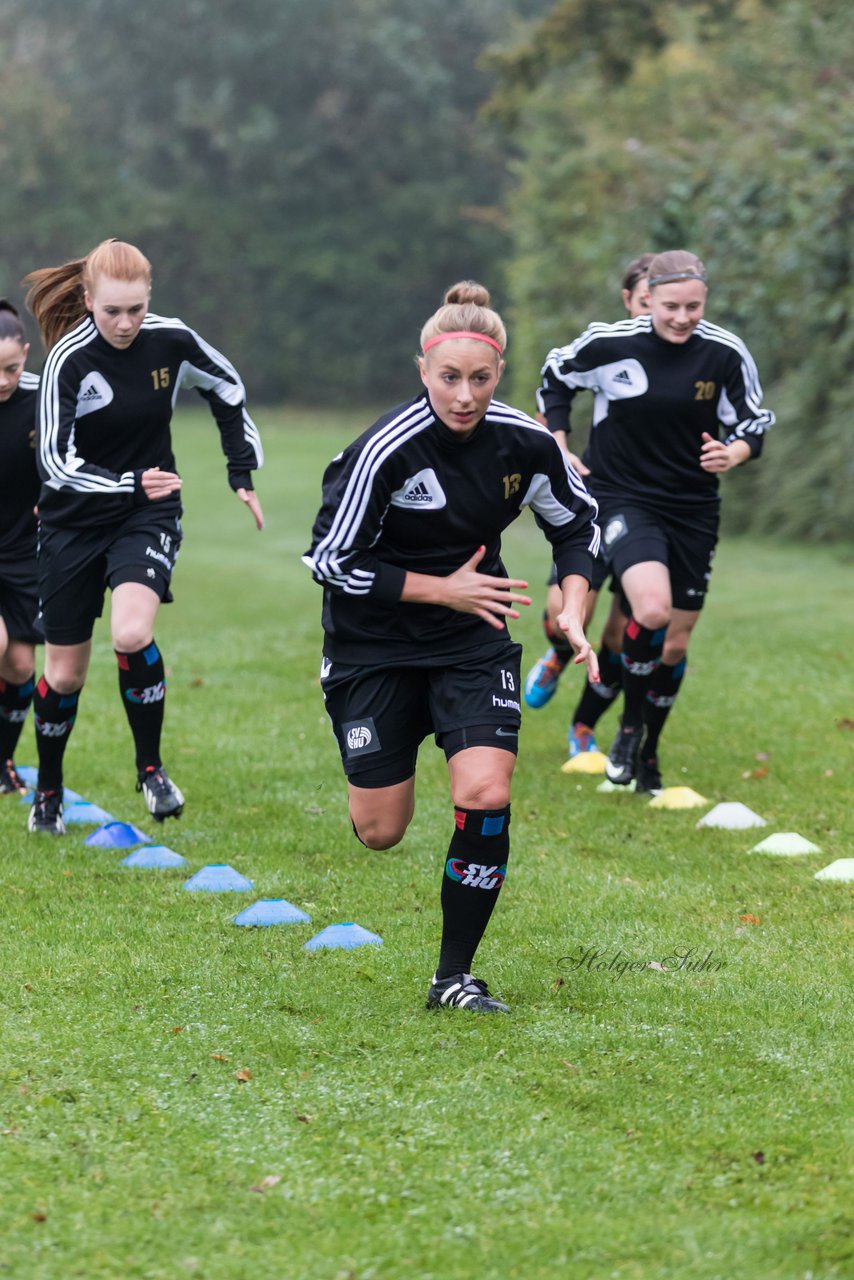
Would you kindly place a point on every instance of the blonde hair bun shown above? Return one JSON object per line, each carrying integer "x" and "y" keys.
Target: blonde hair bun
{"x": 467, "y": 291}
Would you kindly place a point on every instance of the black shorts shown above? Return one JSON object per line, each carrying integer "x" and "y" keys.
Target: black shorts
{"x": 685, "y": 541}
{"x": 381, "y": 715}
{"x": 600, "y": 574}
{"x": 19, "y": 599}
{"x": 75, "y": 567}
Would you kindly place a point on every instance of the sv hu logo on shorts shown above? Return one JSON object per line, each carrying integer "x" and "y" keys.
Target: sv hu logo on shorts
{"x": 361, "y": 737}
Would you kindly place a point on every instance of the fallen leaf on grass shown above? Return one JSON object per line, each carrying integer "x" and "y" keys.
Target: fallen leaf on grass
{"x": 271, "y": 1180}
{"x": 761, "y": 755}
{"x": 654, "y": 964}
{"x": 68, "y": 873}
{"x": 39, "y": 1217}
{"x": 177, "y": 1030}
{"x": 570, "y": 1066}
{"x": 750, "y": 919}
{"x": 759, "y": 1157}
{"x": 845, "y": 725}
{"x": 760, "y": 772}
{"x": 219, "y": 1057}
{"x": 243, "y": 1075}
{"x": 302, "y": 1119}
{"x": 558, "y": 982}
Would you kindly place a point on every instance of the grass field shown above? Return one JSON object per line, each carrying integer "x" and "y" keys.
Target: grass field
{"x": 693, "y": 1123}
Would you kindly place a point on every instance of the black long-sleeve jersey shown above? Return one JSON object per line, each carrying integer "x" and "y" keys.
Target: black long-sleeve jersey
{"x": 105, "y": 417}
{"x": 409, "y": 494}
{"x": 19, "y": 477}
{"x": 653, "y": 401}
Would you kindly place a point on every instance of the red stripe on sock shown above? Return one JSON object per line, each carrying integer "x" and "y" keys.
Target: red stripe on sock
{"x": 123, "y": 660}
{"x": 460, "y": 819}
{"x": 42, "y": 687}
{"x": 632, "y": 629}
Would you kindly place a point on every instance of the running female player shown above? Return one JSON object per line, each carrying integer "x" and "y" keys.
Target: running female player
{"x": 109, "y": 507}
{"x": 407, "y": 546}
{"x": 665, "y": 384}
{"x": 19, "y": 491}
{"x": 542, "y": 679}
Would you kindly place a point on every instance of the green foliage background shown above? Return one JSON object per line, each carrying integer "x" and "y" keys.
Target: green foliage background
{"x": 309, "y": 176}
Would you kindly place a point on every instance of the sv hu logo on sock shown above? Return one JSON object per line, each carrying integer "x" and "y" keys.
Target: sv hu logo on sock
{"x": 474, "y": 874}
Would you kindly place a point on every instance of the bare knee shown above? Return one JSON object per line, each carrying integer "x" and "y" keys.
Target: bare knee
{"x": 66, "y": 672}
{"x": 379, "y": 832}
{"x": 130, "y": 635}
{"x": 490, "y": 794}
{"x": 652, "y": 614}
{"x": 17, "y": 663}
{"x": 674, "y": 652}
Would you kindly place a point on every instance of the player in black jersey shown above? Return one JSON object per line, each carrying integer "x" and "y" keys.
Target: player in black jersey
{"x": 407, "y": 546}
{"x": 19, "y": 489}
{"x": 664, "y": 384}
{"x": 542, "y": 679}
{"x": 109, "y": 506}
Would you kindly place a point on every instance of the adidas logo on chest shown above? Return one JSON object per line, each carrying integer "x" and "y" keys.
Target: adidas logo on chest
{"x": 421, "y": 492}
{"x": 95, "y": 393}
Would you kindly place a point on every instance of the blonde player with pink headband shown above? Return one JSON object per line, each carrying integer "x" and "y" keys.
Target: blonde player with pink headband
{"x": 407, "y": 547}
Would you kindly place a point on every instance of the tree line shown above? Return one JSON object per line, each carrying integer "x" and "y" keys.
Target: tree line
{"x": 308, "y": 175}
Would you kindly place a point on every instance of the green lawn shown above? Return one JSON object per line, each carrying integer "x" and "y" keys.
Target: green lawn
{"x": 678, "y": 1124}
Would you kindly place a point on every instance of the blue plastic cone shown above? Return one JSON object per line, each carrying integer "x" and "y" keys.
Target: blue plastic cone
{"x": 117, "y": 835}
{"x": 272, "y": 911}
{"x": 219, "y": 877}
{"x": 346, "y": 935}
{"x": 154, "y": 855}
{"x": 28, "y": 774}
{"x": 83, "y": 811}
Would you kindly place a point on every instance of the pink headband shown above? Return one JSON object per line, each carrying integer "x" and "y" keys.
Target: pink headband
{"x": 478, "y": 337}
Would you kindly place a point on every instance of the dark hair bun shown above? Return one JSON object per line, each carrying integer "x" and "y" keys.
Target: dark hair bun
{"x": 467, "y": 291}
{"x": 5, "y": 305}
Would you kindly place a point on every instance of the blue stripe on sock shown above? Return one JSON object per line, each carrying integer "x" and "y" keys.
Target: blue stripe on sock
{"x": 492, "y": 826}
{"x": 151, "y": 654}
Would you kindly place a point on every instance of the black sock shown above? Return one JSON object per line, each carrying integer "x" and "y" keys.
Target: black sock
{"x": 660, "y": 697}
{"x": 15, "y": 702}
{"x": 557, "y": 639}
{"x": 54, "y": 714}
{"x": 474, "y": 873}
{"x": 597, "y": 698}
{"x": 641, "y": 655}
{"x": 142, "y": 685}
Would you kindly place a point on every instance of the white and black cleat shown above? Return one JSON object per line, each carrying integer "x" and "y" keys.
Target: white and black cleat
{"x": 621, "y": 765}
{"x": 46, "y": 813}
{"x": 162, "y": 797}
{"x": 462, "y": 991}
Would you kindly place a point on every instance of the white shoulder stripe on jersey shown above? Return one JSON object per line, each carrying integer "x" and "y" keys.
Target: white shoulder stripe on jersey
{"x": 64, "y": 471}
{"x": 348, "y": 518}
{"x": 29, "y": 381}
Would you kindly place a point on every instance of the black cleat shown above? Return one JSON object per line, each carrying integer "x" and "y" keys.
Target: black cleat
{"x": 648, "y": 776}
{"x": 162, "y": 797}
{"x": 622, "y": 762}
{"x": 462, "y": 991}
{"x": 10, "y": 780}
{"x": 46, "y": 813}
